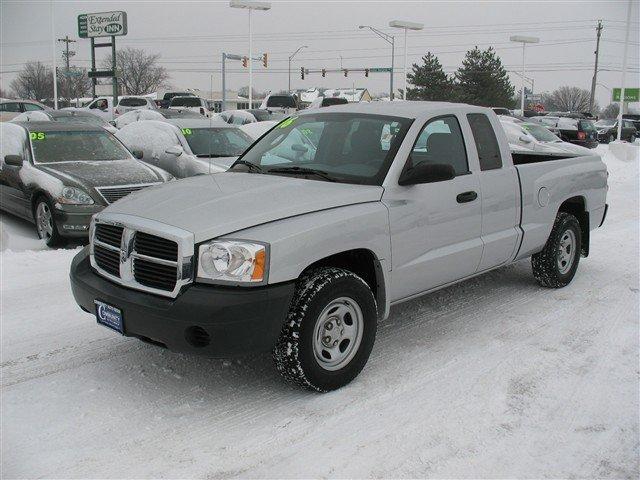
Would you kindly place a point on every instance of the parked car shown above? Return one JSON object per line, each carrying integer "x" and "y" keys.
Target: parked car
{"x": 65, "y": 116}
{"x": 573, "y": 130}
{"x": 634, "y": 117}
{"x": 100, "y": 106}
{"x": 501, "y": 111}
{"x": 243, "y": 117}
{"x": 131, "y": 103}
{"x": 186, "y": 147}
{"x": 58, "y": 175}
{"x": 608, "y": 131}
{"x": 257, "y": 129}
{"x": 159, "y": 114}
{"x": 166, "y": 98}
{"x": 195, "y": 104}
{"x": 303, "y": 256}
{"x": 280, "y": 103}
{"x": 327, "y": 102}
{"x": 10, "y": 109}
{"x": 538, "y": 138}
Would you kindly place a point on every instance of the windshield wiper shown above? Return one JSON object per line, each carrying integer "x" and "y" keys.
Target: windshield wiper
{"x": 252, "y": 166}
{"x": 211, "y": 155}
{"x": 302, "y": 171}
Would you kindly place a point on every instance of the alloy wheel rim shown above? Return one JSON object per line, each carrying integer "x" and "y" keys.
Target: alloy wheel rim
{"x": 44, "y": 222}
{"x": 566, "y": 251}
{"x": 338, "y": 333}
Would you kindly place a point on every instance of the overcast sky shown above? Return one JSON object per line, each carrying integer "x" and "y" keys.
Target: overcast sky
{"x": 190, "y": 37}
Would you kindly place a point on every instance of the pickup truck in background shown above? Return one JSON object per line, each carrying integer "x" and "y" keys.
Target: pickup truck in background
{"x": 303, "y": 246}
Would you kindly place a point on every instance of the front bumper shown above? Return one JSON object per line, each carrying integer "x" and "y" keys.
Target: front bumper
{"x": 74, "y": 220}
{"x": 236, "y": 321}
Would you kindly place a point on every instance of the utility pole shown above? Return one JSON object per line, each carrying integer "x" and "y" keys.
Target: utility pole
{"x": 594, "y": 80}
{"x": 67, "y": 54}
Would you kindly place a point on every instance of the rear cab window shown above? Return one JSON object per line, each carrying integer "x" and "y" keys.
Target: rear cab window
{"x": 133, "y": 102}
{"x": 486, "y": 142}
{"x": 30, "y": 107}
{"x": 186, "y": 102}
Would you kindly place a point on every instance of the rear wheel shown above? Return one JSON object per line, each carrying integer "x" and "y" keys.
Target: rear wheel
{"x": 45, "y": 225}
{"x": 556, "y": 265}
{"x": 329, "y": 332}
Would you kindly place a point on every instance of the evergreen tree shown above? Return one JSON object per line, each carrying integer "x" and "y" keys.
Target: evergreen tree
{"x": 429, "y": 81}
{"x": 482, "y": 80}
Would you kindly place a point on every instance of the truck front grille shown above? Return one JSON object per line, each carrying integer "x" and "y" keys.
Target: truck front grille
{"x": 139, "y": 259}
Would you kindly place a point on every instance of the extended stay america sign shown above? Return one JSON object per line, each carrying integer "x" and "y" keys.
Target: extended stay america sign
{"x": 105, "y": 24}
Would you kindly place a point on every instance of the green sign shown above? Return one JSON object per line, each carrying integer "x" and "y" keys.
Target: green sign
{"x": 630, "y": 94}
{"x": 379, "y": 69}
{"x": 186, "y": 131}
{"x": 105, "y": 24}
{"x": 37, "y": 135}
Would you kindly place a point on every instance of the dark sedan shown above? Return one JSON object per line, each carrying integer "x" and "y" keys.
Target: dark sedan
{"x": 608, "y": 131}
{"x": 59, "y": 175}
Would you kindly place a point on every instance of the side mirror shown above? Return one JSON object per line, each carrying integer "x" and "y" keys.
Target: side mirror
{"x": 525, "y": 139}
{"x": 176, "y": 150}
{"x": 112, "y": 123}
{"x": 427, "y": 173}
{"x": 138, "y": 154}
{"x": 13, "y": 160}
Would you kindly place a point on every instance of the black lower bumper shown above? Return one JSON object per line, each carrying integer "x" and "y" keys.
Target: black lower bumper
{"x": 74, "y": 221}
{"x": 235, "y": 321}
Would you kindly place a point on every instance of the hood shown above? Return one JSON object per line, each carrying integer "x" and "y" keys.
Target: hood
{"x": 572, "y": 148}
{"x": 97, "y": 174}
{"x": 213, "y": 205}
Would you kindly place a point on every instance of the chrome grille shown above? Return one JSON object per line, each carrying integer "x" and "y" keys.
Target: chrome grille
{"x": 111, "y": 194}
{"x": 133, "y": 256}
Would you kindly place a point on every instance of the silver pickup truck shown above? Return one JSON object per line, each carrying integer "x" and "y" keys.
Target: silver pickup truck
{"x": 325, "y": 222}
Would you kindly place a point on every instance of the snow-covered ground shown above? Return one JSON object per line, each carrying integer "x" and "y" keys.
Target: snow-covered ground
{"x": 495, "y": 377}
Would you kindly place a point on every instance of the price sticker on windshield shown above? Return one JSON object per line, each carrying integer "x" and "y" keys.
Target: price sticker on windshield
{"x": 287, "y": 122}
{"x": 37, "y": 135}
{"x": 186, "y": 131}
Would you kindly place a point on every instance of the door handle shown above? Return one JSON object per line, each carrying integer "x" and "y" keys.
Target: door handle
{"x": 466, "y": 197}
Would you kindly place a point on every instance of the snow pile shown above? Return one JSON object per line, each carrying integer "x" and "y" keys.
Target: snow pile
{"x": 628, "y": 152}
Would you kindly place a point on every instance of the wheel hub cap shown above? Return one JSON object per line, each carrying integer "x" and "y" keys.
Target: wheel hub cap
{"x": 44, "y": 222}
{"x": 338, "y": 333}
{"x": 566, "y": 251}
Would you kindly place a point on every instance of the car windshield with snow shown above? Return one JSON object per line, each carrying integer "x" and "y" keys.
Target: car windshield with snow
{"x": 58, "y": 175}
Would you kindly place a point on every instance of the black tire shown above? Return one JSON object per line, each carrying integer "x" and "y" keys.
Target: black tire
{"x": 53, "y": 239}
{"x": 548, "y": 268}
{"x": 294, "y": 352}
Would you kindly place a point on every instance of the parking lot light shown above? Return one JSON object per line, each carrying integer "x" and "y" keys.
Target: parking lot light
{"x": 524, "y": 40}
{"x": 406, "y": 26}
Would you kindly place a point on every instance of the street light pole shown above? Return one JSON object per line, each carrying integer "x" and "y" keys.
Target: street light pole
{"x": 54, "y": 61}
{"x": 624, "y": 69}
{"x": 524, "y": 40}
{"x": 406, "y": 26}
{"x": 391, "y": 41}
{"x": 250, "y": 5}
{"x": 291, "y": 58}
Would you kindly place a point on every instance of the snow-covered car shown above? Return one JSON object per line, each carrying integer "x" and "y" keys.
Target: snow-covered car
{"x": 100, "y": 106}
{"x": 195, "y": 104}
{"x": 159, "y": 114}
{"x": 10, "y": 109}
{"x": 280, "y": 103}
{"x": 578, "y": 131}
{"x": 257, "y": 129}
{"x": 65, "y": 116}
{"x": 185, "y": 147}
{"x": 301, "y": 251}
{"x": 243, "y": 117}
{"x": 58, "y": 175}
{"x": 131, "y": 103}
{"x": 538, "y": 138}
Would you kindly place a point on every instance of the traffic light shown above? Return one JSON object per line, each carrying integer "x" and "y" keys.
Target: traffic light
{"x": 302, "y": 73}
{"x": 346, "y": 72}
{"x": 324, "y": 72}
{"x": 366, "y": 72}
{"x": 245, "y": 62}
{"x": 265, "y": 60}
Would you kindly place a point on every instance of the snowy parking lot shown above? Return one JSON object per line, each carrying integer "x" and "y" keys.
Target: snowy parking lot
{"x": 495, "y": 377}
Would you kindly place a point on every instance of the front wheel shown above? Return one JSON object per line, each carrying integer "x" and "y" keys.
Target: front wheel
{"x": 329, "y": 331}
{"x": 45, "y": 225}
{"x": 556, "y": 265}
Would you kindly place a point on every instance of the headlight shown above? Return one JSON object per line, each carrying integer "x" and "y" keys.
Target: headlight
{"x": 232, "y": 261}
{"x": 75, "y": 196}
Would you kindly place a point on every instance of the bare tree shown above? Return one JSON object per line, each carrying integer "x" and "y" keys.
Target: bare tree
{"x": 567, "y": 99}
{"x": 4, "y": 93}
{"x": 138, "y": 71}
{"x": 35, "y": 81}
{"x": 73, "y": 84}
{"x": 610, "y": 111}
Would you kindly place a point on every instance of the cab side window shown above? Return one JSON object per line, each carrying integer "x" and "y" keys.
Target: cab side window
{"x": 441, "y": 142}
{"x": 486, "y": 141}
{"x": 10, "y": 107}
{"x": 30, "y": 107}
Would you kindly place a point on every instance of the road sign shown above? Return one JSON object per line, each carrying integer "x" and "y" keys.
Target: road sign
{"x": 105, "y": 24}
{"x": 101, "y": 74}
{"x": 379, "y": 69}
{"x": 630, "y": 94}
{"x": 71, "y": 73}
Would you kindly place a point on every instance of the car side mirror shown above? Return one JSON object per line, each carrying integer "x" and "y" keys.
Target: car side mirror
{"x": 13, "y": 160}
{"x": 426, "y": 173}
{"x": 138, "y": 154}
{"x": 176, "y": 150}
{"x": 525, "y": 139}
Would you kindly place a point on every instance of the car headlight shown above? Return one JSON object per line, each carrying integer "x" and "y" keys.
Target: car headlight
{"x": 75, "y": 196}
{"x": 232, "y": 261}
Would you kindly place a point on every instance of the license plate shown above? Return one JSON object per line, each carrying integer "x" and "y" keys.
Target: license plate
{"x": 109, "y": 316}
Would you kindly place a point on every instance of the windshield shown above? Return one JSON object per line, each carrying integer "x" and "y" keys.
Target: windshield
{"x": 586, "y": 125}
{"x": 346, "y": 147}
{"x": 185, "y": 102}
{"x": 539, "y": 133}
{"x": 50, "y": 147}
{"x": 216, "y": 142}
{"x": 605, "y": 123}
{"x": 281, "y": 101}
